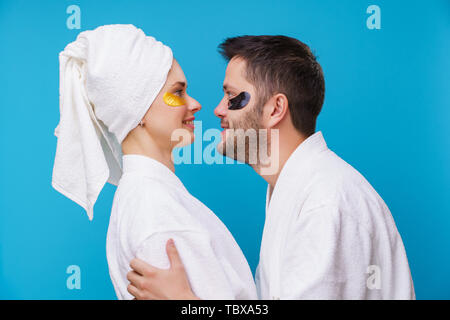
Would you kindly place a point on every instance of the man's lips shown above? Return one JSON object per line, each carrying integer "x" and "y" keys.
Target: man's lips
{"x": 224, "y": 126}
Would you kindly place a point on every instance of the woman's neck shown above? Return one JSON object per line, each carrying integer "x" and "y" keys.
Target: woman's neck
{"x": 140, "y": 142}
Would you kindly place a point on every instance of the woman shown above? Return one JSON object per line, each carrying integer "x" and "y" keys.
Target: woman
{"x": 122, "y": 88}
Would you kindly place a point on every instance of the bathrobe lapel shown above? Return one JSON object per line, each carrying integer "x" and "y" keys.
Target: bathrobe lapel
{"x": 282, "y": 208}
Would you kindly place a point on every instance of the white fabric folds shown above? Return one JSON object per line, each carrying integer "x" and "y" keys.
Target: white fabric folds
{"x": 151, "y": 205}
{"x": 109, "y": 77}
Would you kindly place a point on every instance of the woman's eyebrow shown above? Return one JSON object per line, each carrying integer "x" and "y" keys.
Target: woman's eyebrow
{"x": 180, "y": 83}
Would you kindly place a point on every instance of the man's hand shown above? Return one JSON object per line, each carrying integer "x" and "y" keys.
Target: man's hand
{"x": 151, "y": 283}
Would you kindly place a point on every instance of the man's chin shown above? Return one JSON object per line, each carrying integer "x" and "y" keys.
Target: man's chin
{"x": 221, "y": 148}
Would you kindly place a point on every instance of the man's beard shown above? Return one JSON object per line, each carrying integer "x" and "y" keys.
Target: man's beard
{"x": 243, "y": 140}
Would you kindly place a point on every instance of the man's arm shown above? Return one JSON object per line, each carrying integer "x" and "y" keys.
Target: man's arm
{"x": 196, "y": 265}
{"x": 150, "y": 283}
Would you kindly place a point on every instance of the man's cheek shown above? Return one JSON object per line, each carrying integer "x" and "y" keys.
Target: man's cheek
{"x": 233, "y": 120}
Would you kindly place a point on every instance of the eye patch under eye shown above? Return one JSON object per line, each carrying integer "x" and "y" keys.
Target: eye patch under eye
{"x": 240, "y": 101}
{"x": 173, "y": 100}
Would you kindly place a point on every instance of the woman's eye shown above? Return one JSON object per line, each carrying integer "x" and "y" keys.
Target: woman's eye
{"x": 179, "y": 92}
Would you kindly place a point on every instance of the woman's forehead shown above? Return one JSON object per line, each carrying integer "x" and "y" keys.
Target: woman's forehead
{"x": 176, "y": 73}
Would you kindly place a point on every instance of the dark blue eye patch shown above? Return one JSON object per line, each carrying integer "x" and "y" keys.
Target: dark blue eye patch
{"x": 239, "y": 102}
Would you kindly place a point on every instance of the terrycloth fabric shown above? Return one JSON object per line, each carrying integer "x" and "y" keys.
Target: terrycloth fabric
{"x": 328, "y": 234}
{"x": 151, "y": 205}
{"x": 109, "y": 77}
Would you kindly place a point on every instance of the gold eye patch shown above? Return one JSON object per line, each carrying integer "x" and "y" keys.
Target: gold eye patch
{"x": 173, "y": 100}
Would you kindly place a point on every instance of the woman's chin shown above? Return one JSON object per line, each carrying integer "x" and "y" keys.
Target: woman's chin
{"x": 187, "y": 140}
{"x": 192, "y": 138}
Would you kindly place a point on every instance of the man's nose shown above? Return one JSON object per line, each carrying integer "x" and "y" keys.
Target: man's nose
{"x": 221, "y": 109}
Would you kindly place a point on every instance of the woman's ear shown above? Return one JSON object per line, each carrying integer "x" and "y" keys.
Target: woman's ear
{"x": 277, "y": 108}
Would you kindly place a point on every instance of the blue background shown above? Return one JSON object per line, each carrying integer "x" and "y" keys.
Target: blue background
{"x": 386, "y": 112}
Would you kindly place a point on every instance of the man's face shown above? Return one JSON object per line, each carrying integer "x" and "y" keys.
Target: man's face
{"x": 245, "y": 118}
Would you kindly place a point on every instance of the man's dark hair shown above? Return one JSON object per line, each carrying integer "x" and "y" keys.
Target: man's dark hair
{"x": 280, "y": 64}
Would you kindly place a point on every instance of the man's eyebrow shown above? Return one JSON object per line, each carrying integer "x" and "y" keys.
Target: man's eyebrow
{"x": 227, "y": 87}
{"x": 181, "y": 83}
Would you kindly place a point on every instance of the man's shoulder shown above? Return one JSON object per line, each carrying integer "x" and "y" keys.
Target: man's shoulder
{"x": 332, "y": 176}
{"x": 339, "y": 188}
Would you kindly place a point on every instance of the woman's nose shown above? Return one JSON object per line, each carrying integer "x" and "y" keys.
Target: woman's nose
{"x": 194, "y": 105}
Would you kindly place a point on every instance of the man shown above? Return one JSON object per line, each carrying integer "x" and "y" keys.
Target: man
{"x": 327, "y": 234}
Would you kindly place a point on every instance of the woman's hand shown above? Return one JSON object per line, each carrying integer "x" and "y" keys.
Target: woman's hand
{"x": 151, "y": 283}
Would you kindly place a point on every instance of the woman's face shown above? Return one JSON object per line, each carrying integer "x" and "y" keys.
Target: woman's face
{"x": 166, "y": 123}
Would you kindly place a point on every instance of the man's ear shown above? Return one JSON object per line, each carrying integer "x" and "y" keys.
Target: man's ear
{"x": 278, "y": 109}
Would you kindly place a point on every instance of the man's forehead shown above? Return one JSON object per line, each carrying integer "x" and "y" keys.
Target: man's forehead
{"x": 235, "y": 74}
{"x": 236, "y": 65}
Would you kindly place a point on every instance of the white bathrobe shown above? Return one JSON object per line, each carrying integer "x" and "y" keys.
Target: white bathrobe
{"x": 150, "y": 206}
{"x": 328, "y": 234}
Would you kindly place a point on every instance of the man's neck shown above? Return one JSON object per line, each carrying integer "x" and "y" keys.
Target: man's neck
{"x": 288, "y": 143}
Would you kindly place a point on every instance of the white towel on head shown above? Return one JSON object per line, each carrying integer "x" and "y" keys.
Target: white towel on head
{"x": 109, "y": 77}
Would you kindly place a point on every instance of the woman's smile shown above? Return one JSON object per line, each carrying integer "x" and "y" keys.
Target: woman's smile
{"x": 189, "y": 123}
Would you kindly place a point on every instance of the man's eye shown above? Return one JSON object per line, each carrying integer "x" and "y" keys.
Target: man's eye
{"x": 239, "y": 102}
{"x": 229, "y": 96}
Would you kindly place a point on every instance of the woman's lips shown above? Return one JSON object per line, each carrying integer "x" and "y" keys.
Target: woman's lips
{"x": 189, "y": 123}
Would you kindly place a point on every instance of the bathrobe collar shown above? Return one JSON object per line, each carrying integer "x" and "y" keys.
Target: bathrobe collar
{"x": 147, "y": 167}
{"x": 298, "y": 162}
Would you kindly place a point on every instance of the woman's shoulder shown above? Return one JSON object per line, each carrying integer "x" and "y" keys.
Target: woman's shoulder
{"x": 153, "y": 204}
{"x": 137, "y": 189}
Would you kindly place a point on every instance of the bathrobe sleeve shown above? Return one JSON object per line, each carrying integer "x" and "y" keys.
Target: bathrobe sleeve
{"x": 326, "y": 256}
{"x": 204, "y": 270}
